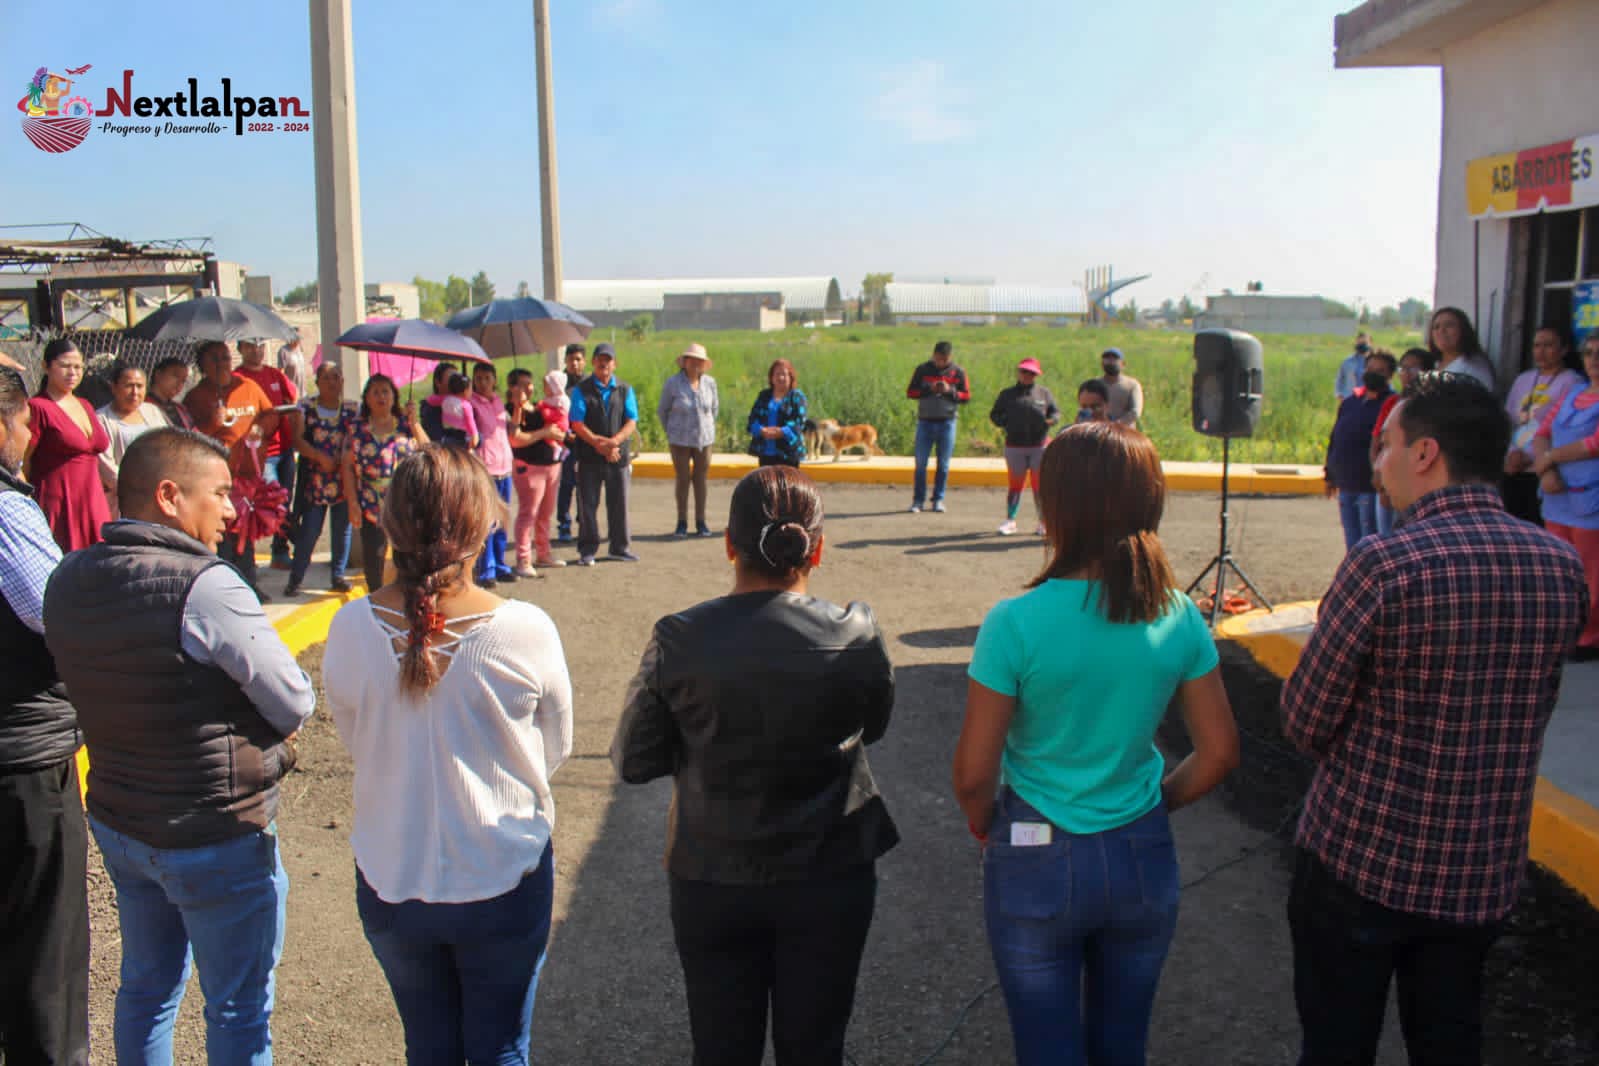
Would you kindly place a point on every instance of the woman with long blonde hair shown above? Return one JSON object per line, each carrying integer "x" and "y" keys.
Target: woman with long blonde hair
{"x": 456, "y": 707}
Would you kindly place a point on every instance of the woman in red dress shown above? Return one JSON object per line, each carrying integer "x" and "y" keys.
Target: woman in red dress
{"x": 63, "y": 457}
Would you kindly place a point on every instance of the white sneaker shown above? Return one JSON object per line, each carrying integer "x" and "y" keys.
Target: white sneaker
{"x": 915, "y": 508}
{"x": 1007, "y": 527}
{"x": 1038, "y": 530}
{"x": 938, "y": 506}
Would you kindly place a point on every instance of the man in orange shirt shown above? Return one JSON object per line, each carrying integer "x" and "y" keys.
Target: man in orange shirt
{"x": 235, "y": 411}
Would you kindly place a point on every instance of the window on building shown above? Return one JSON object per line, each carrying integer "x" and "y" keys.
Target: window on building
{"x": 1565, "y": 251}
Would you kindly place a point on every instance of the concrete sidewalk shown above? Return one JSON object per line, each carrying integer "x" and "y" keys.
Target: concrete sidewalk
{"x": 1565, "y": 819}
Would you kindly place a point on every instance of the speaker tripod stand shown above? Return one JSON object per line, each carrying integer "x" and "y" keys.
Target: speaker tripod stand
{"x": 1224, "y": 560}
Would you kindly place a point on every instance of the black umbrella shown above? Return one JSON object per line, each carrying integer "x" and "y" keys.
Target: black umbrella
{"x": 213, "y": 318}
{"x": 521, "y": 325}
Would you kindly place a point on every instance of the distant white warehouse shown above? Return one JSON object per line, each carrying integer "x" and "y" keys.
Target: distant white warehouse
{"x": 1256, "y": 312}
{"x": 709, "y": 303}
{"x": 969, "y": 304}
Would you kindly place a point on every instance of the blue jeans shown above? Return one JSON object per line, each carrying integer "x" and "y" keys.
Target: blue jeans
{"x": 1079, "y": 928}
{"x": 1385, "y": 518}
{"x": 221, "y": 905}
{"x": 464, "y": 975}
{"x": 311, "y": 529}
{"x": 1358, "y": 510}
{"x": 929, "y": 435}
{"x": 491, "y": 564}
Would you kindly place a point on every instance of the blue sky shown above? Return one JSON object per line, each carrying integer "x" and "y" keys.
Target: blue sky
{"x": 1206, "y": 144}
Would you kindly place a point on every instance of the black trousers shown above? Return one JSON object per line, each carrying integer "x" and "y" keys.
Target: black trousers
{"x": 1346, "y": 951}
{"x": 563, "y": 495}
{"x": 44, "y": 919}
{"x": 1521, "y": 496}
{"x": 795, "y": 945}
{"x": 615, "y": 478}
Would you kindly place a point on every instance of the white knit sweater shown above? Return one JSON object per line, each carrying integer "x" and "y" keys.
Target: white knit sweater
{"x": 452, "y": 792}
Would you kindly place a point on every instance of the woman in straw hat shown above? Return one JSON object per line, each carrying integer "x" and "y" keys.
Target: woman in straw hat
{"x": 688, "y": 410}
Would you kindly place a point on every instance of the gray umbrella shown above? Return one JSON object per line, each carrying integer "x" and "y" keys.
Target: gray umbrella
{"x": 213, "y": 318}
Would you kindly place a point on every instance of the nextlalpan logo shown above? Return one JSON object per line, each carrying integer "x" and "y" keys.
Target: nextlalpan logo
{"x": 56, "y": 121}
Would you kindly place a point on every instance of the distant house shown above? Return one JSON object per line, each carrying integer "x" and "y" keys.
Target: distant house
{"x": 1256, "y": 312}
{"x": 709, "y": 303}
{"x": 983, "y": 304}
{"x": 1518, "y": 183}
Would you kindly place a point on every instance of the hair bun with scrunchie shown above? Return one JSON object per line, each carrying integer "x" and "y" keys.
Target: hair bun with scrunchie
{"x": 784, "y": 545}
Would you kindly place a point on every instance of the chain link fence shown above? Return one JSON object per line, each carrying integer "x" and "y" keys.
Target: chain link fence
{"x": 103, "y": 350}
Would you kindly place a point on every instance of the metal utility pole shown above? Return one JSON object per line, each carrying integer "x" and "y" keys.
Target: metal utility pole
{"x": 341, "y": 288}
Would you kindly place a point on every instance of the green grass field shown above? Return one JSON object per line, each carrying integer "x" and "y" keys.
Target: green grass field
{"x": 859, "y": 374}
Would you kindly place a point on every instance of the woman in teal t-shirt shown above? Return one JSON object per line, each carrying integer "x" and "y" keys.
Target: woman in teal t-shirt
{"x": 1057, "y": 769}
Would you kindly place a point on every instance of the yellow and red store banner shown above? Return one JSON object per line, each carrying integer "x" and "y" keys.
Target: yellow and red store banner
{"x": 1555, "y": 176}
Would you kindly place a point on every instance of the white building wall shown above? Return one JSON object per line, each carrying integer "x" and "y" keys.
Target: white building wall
{"x": 1528, "y": 81}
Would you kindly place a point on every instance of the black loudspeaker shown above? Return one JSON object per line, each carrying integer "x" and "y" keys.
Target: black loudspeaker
{"x": 1229, "y": 381}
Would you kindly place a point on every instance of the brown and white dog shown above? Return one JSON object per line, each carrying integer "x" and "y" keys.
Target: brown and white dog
{"x": 827, "y": 433}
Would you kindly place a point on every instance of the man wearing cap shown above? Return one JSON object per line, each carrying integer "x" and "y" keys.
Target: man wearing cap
{"x": 604, "y": 417}
{"x": 1025, "y": 411}
{"x": 1126, "y": 394}
{"x": 939, "y": 388}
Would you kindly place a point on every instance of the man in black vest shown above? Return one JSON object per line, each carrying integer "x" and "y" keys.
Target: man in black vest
{"x": 604, "y": 417}
{"x": 186, "y": 697}
{"x": 44, "y": 911}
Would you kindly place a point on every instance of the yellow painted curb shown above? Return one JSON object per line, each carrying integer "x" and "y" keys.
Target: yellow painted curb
{"x": 1256, "y": 478}
{"x": 308, "y": 624}
{"x": 1275, "y": 650}
{"x": 1565, "y": 838}
{"x": 300, "y": 628}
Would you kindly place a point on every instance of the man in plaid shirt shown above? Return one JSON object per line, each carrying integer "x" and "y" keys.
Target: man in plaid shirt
{"x": 1423, "y": 694}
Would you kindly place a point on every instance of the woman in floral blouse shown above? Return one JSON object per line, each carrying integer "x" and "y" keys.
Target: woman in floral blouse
{"x": 324, "y": 427}
{"x": 377, "y": 441}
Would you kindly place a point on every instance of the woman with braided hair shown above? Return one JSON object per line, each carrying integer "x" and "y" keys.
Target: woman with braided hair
{"x": 761, "y": 704}
{"x": 456, "y": 707}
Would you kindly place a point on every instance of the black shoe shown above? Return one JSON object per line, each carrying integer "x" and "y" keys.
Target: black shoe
{"x": 340, "y": 585}
{"x": 704, "y": 530}
{"x": 563, "y": 536}
{"x": 487, "y": 583}
{"x": 261, "y": 595}
{"x": 1584, "y": 653}
{"x": 291, "y": 589}
{"x": 681, "y": 531}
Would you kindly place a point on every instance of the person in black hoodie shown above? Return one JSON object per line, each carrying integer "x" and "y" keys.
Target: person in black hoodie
{"x": 761, "y": 704}
{"x": 1025, "y": 411}
{"x": 939, "y": 388}
{"x": 1348, "y": 469}
{"x": 44, "y": 910}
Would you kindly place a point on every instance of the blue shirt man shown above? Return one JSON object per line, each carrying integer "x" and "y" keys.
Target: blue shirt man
{"x": 1352, "y": 368}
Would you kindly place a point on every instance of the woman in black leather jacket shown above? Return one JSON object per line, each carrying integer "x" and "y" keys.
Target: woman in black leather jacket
{"x": 761, "y": 703}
